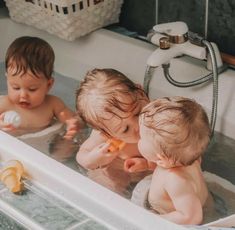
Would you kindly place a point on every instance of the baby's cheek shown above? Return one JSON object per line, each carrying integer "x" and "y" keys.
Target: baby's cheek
{"x": 13, "y": 96}
{"x": 140, "y": 147}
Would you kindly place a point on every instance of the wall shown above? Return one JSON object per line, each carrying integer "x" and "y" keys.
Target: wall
{"x": 218, "y": 25}
{"x": 2, "y": 4}
{"x": 140, "y": 16}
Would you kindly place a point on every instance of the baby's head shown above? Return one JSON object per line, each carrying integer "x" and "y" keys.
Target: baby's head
{"x": 174, "y": 128}
{"x": 31, "y": 54}
{"x": 29, "y": 66}
{"x": 110, "y": 102}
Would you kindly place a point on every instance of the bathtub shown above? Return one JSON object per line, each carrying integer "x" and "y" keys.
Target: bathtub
{"x": 106, "y": 49}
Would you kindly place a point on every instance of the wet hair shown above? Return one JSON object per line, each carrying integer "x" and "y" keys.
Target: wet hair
{"x": 103, "y": 91}
{"x": 180, "y": 126}
{"x": 30, "y": 53}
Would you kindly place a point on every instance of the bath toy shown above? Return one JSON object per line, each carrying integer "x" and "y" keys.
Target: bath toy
{"x": 12, "y": 117}
{"x": 11, "y": 174}
{"x": 115, "y": 144}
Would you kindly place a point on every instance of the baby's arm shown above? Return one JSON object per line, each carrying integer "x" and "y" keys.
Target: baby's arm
{"x": 4, "y": 126}
{"x": 67, "y": 116}
{"x": 5, "y": 106}
{"x": 188, "y": 208}
{"x": 94, "y": 153}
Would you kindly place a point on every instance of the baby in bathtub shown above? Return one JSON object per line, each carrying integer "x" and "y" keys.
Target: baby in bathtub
{"x": 29, "y": 67}
{"x": 174, "y": 133}
{"x": 110, "y": 103}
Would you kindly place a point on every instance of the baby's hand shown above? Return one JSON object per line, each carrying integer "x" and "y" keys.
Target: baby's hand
{"x": 72, "y": 127}
{"x": 115, "y": 144}
{"x": 103, "y": 155}
{"x": 138, "y": 164}
{"x": 3, "y": 126}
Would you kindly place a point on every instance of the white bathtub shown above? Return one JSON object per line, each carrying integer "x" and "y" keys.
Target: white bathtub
{"x": 107, "y": 49}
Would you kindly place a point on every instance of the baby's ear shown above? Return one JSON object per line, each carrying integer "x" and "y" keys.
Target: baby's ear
{"x": 50, "y": 83}
{"x": 139, "y": 86}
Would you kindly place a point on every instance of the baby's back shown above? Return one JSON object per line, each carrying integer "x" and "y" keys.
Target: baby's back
{"x": 191, "y": 176}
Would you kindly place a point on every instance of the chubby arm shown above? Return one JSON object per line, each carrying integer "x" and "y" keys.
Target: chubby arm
{"x": 188, "y": 208}
{"x": 5, "y": 106}
{"x": 61, "y": 111}
{"x": 4, "y": 126}
{"x": 94, "y": 153}
{"x": 67, "y": 116}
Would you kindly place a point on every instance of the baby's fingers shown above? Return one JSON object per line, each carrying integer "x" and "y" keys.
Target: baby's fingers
{"x": 103, "y": 148}
{"x": 8, "y": 128}
{"x": 69, "y": 135}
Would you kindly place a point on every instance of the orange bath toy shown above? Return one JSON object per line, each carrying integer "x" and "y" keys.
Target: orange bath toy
{"x": 115, "y": 144}
{"x": 11, "y": 175}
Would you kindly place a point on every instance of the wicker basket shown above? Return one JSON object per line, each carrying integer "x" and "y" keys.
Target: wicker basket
{"x": 67, "y": 19}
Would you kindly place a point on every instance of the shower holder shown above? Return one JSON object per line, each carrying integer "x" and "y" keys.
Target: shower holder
{"x": 68, "y": 19}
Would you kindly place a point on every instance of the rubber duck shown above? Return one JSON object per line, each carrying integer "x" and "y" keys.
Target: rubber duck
{"x": 11, "y": 175}
{"x": 115, "y": 144}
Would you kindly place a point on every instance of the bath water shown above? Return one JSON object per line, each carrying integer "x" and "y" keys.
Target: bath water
{"x": 219, "y": 159}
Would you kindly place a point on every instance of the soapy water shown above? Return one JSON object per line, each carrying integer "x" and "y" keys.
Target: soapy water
{"x": 219, "y": 159}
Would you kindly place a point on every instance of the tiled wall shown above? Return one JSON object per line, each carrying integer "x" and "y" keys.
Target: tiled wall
{"x": 140, "y": 16}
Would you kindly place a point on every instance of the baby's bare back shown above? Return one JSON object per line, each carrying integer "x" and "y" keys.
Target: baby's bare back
{"x": 161, "y": 198}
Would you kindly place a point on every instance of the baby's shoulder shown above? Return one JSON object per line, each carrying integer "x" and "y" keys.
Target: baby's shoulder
{"x": 170, "y": 175}
{"x": 5, "y": 103}
{"x": 4, "y": 98}
{"x": 53, "y": 100}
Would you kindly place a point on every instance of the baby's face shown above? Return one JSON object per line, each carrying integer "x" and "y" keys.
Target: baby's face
{"x": 147, "y": 144}
{"x": 27, "y": 91}
{"x": 125, "y": 128}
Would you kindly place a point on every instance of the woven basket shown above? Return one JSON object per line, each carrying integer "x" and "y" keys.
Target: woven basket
{"x": 68, "y": 19}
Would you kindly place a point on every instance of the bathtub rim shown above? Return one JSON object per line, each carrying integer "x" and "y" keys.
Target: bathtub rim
{"x": 38, "y": 167}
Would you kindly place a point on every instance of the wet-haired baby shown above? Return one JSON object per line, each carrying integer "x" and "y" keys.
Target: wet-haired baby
{"x": 111, "y": 103}
{"x": 29, "y": 66}
{"x": 174, "y": 133}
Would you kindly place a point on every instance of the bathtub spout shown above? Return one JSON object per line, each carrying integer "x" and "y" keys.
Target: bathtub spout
{"x": 162, "y": 56}
{"x": 172, "y": 40}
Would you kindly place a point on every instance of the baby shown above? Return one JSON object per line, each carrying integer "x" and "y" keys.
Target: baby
{"x": 29, "y": 66}
{"x": 174, "y": 133}
{"x": 111, "y": 103}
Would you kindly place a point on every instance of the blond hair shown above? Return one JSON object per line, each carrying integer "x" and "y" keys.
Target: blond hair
{"x": 180, "y": 126}
{"x": 101, "y": 91}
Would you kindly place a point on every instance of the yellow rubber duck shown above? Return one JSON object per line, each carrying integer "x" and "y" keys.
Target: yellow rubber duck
{"x": 115, "y": 144}
{"x": 11, "y": 175}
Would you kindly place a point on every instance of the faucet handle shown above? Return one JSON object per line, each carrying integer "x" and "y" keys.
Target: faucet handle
{"x": 172, "y": 28}
{"x": 176, "y": 31}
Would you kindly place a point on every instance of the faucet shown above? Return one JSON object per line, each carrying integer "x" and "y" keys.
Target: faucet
{"x": 172, "y": 39}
